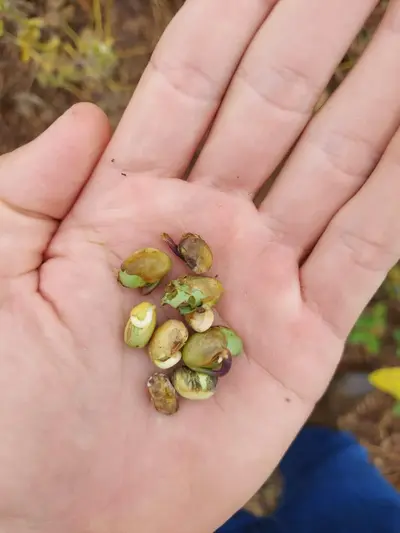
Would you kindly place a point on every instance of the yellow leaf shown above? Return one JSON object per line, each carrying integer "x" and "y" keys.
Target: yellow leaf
{"x": 35, "y": 22}
{"x": 387, "y": 380}
{"x": 25, "y": 54}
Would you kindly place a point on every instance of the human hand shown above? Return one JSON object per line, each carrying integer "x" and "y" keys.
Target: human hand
{"x": 82, "y": 449}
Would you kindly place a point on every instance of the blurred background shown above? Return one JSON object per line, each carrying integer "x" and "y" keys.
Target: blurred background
{"x": 54, "y": 53}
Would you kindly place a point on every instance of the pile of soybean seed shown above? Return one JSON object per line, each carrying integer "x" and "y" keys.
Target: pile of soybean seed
{"x": 192, "y": 352}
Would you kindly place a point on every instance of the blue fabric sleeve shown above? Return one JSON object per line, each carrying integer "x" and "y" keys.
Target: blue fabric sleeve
{"x": 329, "y": 487}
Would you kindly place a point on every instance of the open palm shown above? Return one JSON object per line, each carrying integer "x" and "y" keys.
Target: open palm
{"x": 82, "y": 448}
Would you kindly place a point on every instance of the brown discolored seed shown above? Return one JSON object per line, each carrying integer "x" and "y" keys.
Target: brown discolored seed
{"x": 194, "y": 385}
{"x": 145, "y": 268}
{"x": 200, "y": 320}
{"x": 167, "y": 342}
{"x": 189, "y": 293}
{"x": 141, "y": 325}
{"x": 162, "y": 394}
{"x": 207, "y": 352}
{"x": 193, "y": 250}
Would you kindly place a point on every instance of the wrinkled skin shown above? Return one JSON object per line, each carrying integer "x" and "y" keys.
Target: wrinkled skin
{"x": 82, "y": 449}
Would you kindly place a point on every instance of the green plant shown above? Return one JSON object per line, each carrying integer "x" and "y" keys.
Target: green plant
{"x": 392, "y": 283}
{"x": 60, "y": 56}
{"x": 396, "y": 338}
{"x": 370, "y": 328}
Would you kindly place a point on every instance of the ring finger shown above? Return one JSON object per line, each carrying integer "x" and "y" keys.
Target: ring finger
{"x": 341, "y": 146}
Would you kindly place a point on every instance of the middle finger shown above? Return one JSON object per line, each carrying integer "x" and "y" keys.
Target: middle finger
{"x": 275, "y": 89}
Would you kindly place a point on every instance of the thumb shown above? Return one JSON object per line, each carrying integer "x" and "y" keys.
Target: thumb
{"x": 40, "y": 182}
